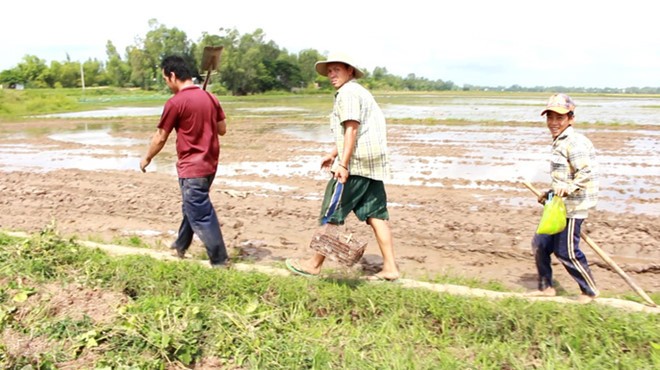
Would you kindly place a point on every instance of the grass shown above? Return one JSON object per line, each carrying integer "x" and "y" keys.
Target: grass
{"x": 22, "y": 104}
{"x": 182, "y": 314}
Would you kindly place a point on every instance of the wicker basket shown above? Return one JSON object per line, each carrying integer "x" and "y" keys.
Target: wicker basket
{"x": 332, "y": 243}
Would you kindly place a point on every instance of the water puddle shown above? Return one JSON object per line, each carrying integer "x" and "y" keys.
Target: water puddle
{"x": 110, "y": 112}
{"x": 642, "y": 111}
{"x": 273, "y": 110}
{"x": 44, "y": 159}
{"x": 95, "y": 137}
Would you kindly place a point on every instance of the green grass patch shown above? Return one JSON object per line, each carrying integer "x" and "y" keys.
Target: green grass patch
{"x": 184, "y": 313}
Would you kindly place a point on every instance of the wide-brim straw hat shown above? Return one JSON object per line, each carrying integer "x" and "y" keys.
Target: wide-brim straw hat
{"x": 322, "y": 66}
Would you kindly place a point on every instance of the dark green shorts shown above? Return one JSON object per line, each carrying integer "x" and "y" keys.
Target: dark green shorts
{"x": 362, "y": 195}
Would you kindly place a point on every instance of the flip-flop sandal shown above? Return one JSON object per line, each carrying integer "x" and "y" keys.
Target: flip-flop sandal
{"x": 297, "y": 270}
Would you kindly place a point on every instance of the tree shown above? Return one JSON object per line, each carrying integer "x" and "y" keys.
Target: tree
{"x": 240, "y": 64}
{"x": 227, "y": 42}
{"x": 306, "y": 60}
{"x": 94, "y": 73}
{"x": 70, "y": 74}
{"x": 117, "y": 72}
{"x": 251, "y": 65}
{"x": 53, "y": 73}
{"x": 286, "y": 72}
{"x": 144, "y": 58}
{"x": 380, "y": 73}
{"x": 159, "y": 42}
{"x": 11, "y": 76}
{"x": 141, "y": 67}
{"x": 32, "y": 71}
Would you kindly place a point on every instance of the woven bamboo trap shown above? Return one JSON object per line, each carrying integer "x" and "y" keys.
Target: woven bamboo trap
{"x": 332, "y": 243}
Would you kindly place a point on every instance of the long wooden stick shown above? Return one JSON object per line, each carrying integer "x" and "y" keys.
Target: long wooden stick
{"x": 605, "y": 257}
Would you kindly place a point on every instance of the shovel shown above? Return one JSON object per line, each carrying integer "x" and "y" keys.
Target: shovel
{"x": 210, "y": 61}
{"x": 605, "y": 257}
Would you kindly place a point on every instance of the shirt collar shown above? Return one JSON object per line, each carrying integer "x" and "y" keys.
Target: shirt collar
{"x": 189, "y": 87}
{"x": 564, "y": 134}
{"x": 345, "y": 83}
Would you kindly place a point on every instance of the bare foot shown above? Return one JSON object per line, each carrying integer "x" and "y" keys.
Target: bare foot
{"x": 175, "y": 252}
{"x": 547, "y": 292}
{"x": 383, "y": 276}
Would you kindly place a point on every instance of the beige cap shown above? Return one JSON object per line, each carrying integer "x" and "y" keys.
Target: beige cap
{"x": 560, "y": 103}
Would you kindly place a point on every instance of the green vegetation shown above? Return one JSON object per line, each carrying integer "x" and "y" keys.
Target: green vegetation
{"x": 249, "y": 64}
{"x": 137, "y": 312}
{"x": 25, "y": 103}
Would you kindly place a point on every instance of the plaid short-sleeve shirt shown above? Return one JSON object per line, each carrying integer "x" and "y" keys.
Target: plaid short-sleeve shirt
{"x": 370, "y": 157}
{"x": 574, "y": 167}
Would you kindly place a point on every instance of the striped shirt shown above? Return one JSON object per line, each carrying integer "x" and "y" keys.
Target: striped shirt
{"x": 574, "y": 167}
{"x": 370, "y": 157}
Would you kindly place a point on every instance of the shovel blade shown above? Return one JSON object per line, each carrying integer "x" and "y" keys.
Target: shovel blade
{"x": 211, "y": 57}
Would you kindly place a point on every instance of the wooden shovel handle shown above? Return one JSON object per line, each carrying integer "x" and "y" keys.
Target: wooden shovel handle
{"x": 206, "y": 80}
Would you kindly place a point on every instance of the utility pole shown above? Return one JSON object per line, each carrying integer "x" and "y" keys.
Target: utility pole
{"x": 82, "y": 78}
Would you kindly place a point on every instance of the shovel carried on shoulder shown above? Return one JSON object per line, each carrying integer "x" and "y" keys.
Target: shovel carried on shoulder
{"x": 210, "y": 61}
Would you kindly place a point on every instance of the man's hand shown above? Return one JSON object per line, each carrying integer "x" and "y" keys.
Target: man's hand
{"x": 561, "y": 192}
{"x": 144, "y": 163}
{"x": 543, "y": 197}
{"x": 326, "y": 161}
{"x": 157, "y": 143}
{"x": 342, "y": 174}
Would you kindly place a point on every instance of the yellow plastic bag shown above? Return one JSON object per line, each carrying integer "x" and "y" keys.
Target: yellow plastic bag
{"x": 553, "y": 220}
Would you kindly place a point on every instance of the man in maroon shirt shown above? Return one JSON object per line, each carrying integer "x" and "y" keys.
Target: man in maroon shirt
{"x": 198, "y": 119}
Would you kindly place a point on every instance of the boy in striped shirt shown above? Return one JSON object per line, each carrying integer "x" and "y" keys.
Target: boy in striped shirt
{"x": 574, "y": 173}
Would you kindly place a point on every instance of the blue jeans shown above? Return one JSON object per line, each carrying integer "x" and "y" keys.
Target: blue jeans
{"x": 199, "y": 217}
{"x": 566, "y": 246}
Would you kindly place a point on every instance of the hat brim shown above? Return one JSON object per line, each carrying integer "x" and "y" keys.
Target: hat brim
{"x": 559, "y": 110}
{"x": 322, "y": 68}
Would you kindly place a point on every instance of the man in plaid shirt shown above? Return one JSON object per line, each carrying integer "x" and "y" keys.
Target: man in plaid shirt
{"x": 574, "y": 173}
{"x": 359, "y": 161}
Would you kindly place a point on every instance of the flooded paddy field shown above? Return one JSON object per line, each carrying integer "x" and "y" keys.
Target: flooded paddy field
{"x": 457, "y": 202}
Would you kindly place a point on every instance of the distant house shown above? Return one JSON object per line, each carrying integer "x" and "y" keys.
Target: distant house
{"x": 16, "y": 86}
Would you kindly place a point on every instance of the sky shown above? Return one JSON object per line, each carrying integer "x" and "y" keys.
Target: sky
{"x": 578, "y": 43}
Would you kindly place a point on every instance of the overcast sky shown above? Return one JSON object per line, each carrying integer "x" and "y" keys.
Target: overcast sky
{"x": 480, "y": 42}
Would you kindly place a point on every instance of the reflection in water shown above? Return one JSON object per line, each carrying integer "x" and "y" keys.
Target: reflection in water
{"x": 94, "y": 137}
{"x": 43, "y": 159}
{"x": 110, "y": 112}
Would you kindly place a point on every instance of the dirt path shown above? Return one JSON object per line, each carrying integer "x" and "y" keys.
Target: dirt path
{"x": 119, "y": 250}
{"x": 451, "y": 230}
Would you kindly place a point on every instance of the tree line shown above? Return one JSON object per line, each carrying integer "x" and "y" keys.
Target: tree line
{"x": 249, "y": 65}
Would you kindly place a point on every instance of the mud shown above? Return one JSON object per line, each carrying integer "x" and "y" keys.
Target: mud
{"x": 443, "y": 223}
